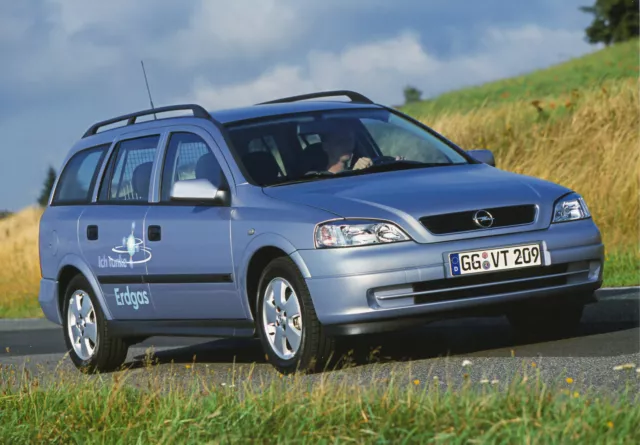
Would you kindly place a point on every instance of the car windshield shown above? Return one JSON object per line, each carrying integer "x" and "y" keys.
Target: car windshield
{"x": 332, "y": 144}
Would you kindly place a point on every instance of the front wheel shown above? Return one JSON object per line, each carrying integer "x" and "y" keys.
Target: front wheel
{"x": 291, "y": 335}
{"x": 91, "y": 347}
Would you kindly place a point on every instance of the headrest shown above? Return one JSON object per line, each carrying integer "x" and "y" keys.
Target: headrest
{"x": 207, "y": 168}
{"x": 141, "y": 180}
{"x": 262, "y": 167}
{"x": 314, "y": 158}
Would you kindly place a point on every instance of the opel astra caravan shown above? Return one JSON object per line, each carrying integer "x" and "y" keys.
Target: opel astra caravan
{"x": 299, "y": 221}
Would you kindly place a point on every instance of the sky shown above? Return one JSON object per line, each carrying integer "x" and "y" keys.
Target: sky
{"x": 66, "y": 64}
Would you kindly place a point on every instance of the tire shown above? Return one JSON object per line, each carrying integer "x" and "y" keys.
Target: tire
{"x": 314, "y": 348}
{"x": 98, "y": 351}
{"x": 546, "y": 319}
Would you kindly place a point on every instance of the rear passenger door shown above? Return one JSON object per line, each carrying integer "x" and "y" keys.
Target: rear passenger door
{"x": 191, "y": 274}
{"x": 112, "y": 230}
{"x": 59, "y": 223}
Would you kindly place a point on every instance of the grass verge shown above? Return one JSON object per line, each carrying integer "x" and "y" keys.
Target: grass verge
{"x": 293, "y": 411}
{"x": 622, "y": 268}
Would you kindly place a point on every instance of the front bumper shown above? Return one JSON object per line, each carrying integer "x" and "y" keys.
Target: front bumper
{"x": 374, "y": 288}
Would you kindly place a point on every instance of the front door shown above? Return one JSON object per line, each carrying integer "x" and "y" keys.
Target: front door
{"x": 112, "y": 231}
{"x": 191, "y": 274}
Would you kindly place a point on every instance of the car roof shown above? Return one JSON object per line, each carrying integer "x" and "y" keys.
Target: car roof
{"x": 285, "y": 106}
{"x": 231, "y": 115}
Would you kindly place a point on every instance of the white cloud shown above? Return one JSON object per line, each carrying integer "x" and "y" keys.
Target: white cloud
{"x": 220, "y": 29}
{"x": 270, "y": 85}
{"x": 374, "y": 62}
{"x": 70, "y": 17}
{"x": 382, "y": 69}
{"x": 86, "y": 38}
{"x": 374, "y": 68}
{"x": 528, "y": 47}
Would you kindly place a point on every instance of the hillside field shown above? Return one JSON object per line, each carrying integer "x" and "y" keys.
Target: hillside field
{"x": 575, "y": 124}
{"x": 614, "y": 63}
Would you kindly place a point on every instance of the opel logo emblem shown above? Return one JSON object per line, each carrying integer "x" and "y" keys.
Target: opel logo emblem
{"x": 483, "y": 219}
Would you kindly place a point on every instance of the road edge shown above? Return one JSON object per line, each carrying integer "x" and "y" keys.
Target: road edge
{"x": 615, "y": 291}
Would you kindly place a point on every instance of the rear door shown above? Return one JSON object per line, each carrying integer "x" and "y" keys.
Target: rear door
{"x": 72, "y": 196}
{"x": 112, "y": 230}
{"x": 191, "y": 274}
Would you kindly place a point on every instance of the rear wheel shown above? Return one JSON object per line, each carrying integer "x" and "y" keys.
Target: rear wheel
{"x": 547, "y": 319}
{"x": 291, "y": 335}
{"x": 91, "y": 347}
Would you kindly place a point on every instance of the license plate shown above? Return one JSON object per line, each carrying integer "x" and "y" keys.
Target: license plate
{"x": 492, "y": 260}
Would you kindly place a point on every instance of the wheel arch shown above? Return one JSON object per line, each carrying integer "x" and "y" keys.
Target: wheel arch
{"x": 260, "y": 252}
{"x": 71, "y": 266}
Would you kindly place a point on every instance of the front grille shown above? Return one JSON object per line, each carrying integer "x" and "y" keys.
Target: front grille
{"x": 463, "y": 221}
{"x": 494, "y": 283}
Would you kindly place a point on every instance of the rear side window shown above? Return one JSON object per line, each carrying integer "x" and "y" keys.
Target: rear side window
{"x": 189, "y": 157}
{"x": 79, "y": 176}
{"x": 129, "y": 174}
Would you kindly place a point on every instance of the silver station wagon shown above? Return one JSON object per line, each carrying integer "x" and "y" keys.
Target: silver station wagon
{"x": 299, "y": 221}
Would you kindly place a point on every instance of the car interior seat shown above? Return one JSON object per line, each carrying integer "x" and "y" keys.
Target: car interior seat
{"x": 314, "y": 158}
{"x": 262, "y": 167}
{"x": 141, "y": 180}
{"x": 207, "y": 168}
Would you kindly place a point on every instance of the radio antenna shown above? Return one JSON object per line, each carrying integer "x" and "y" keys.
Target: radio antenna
{"x": 144, "y": 72}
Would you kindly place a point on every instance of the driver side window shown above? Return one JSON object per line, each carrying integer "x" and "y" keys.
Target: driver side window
{"x": 188, "y": 157}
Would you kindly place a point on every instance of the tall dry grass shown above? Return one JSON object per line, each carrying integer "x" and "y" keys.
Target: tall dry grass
{"x": 587, "y": 141}
{"x": 19, "y": 264}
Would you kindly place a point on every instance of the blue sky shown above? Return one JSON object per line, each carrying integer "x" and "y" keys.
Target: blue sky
{"x": 69, "y": 63}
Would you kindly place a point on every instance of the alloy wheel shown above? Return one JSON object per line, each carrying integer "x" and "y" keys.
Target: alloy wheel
{"x": 282, "y": 320}
{"x": 82, "y": 325}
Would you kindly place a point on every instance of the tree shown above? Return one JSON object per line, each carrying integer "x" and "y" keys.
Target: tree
{"x": 411, "y": 94}
{"x": 614, "y": 21}
{"x": 47, "y": 186}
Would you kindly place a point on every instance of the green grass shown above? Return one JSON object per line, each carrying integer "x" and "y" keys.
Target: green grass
{"x": 22, "y": 308}
{"x": 616, "y": 62}
{"x": 622, "y": 268}
{"x": 292, "y": 411}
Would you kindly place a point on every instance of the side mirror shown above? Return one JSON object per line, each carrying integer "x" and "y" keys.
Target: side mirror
{"x": 485, "y": 156}
{"x": 197, "y": 190}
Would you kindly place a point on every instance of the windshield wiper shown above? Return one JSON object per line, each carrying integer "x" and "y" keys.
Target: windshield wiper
{"x": 307, "y": 177}
{"x": 384, "y": 167}
{"x": 399, "y": 165}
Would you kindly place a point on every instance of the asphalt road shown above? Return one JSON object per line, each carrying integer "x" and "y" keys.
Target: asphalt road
{"x": 609, "y": 336}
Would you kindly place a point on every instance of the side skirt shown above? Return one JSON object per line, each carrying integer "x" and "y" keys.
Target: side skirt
{"x": 181, "y": 328}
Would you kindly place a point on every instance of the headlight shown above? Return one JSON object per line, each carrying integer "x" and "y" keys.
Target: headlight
{"x": 570, "y": 208}
{"x": 345, "y": 233}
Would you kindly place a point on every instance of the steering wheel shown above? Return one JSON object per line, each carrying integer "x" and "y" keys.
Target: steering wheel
{"x": 380, "y": 160}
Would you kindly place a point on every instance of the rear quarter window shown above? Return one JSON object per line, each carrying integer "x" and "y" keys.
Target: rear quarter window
{"x": 79, "y": 176}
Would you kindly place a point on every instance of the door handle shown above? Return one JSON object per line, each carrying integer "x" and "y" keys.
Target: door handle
{"x": 154, "y": 233}
{"x": 92, "y": 232}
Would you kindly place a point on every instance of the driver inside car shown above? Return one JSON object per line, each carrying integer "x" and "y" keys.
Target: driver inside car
{"x": 339, "y": 146}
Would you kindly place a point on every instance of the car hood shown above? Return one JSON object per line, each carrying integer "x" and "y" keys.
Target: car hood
{"x": 407, "y": 195}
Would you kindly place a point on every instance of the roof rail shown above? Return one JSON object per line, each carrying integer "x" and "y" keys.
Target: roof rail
{"x": 355, "y": 97}
{"x": 198, "y": 111}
